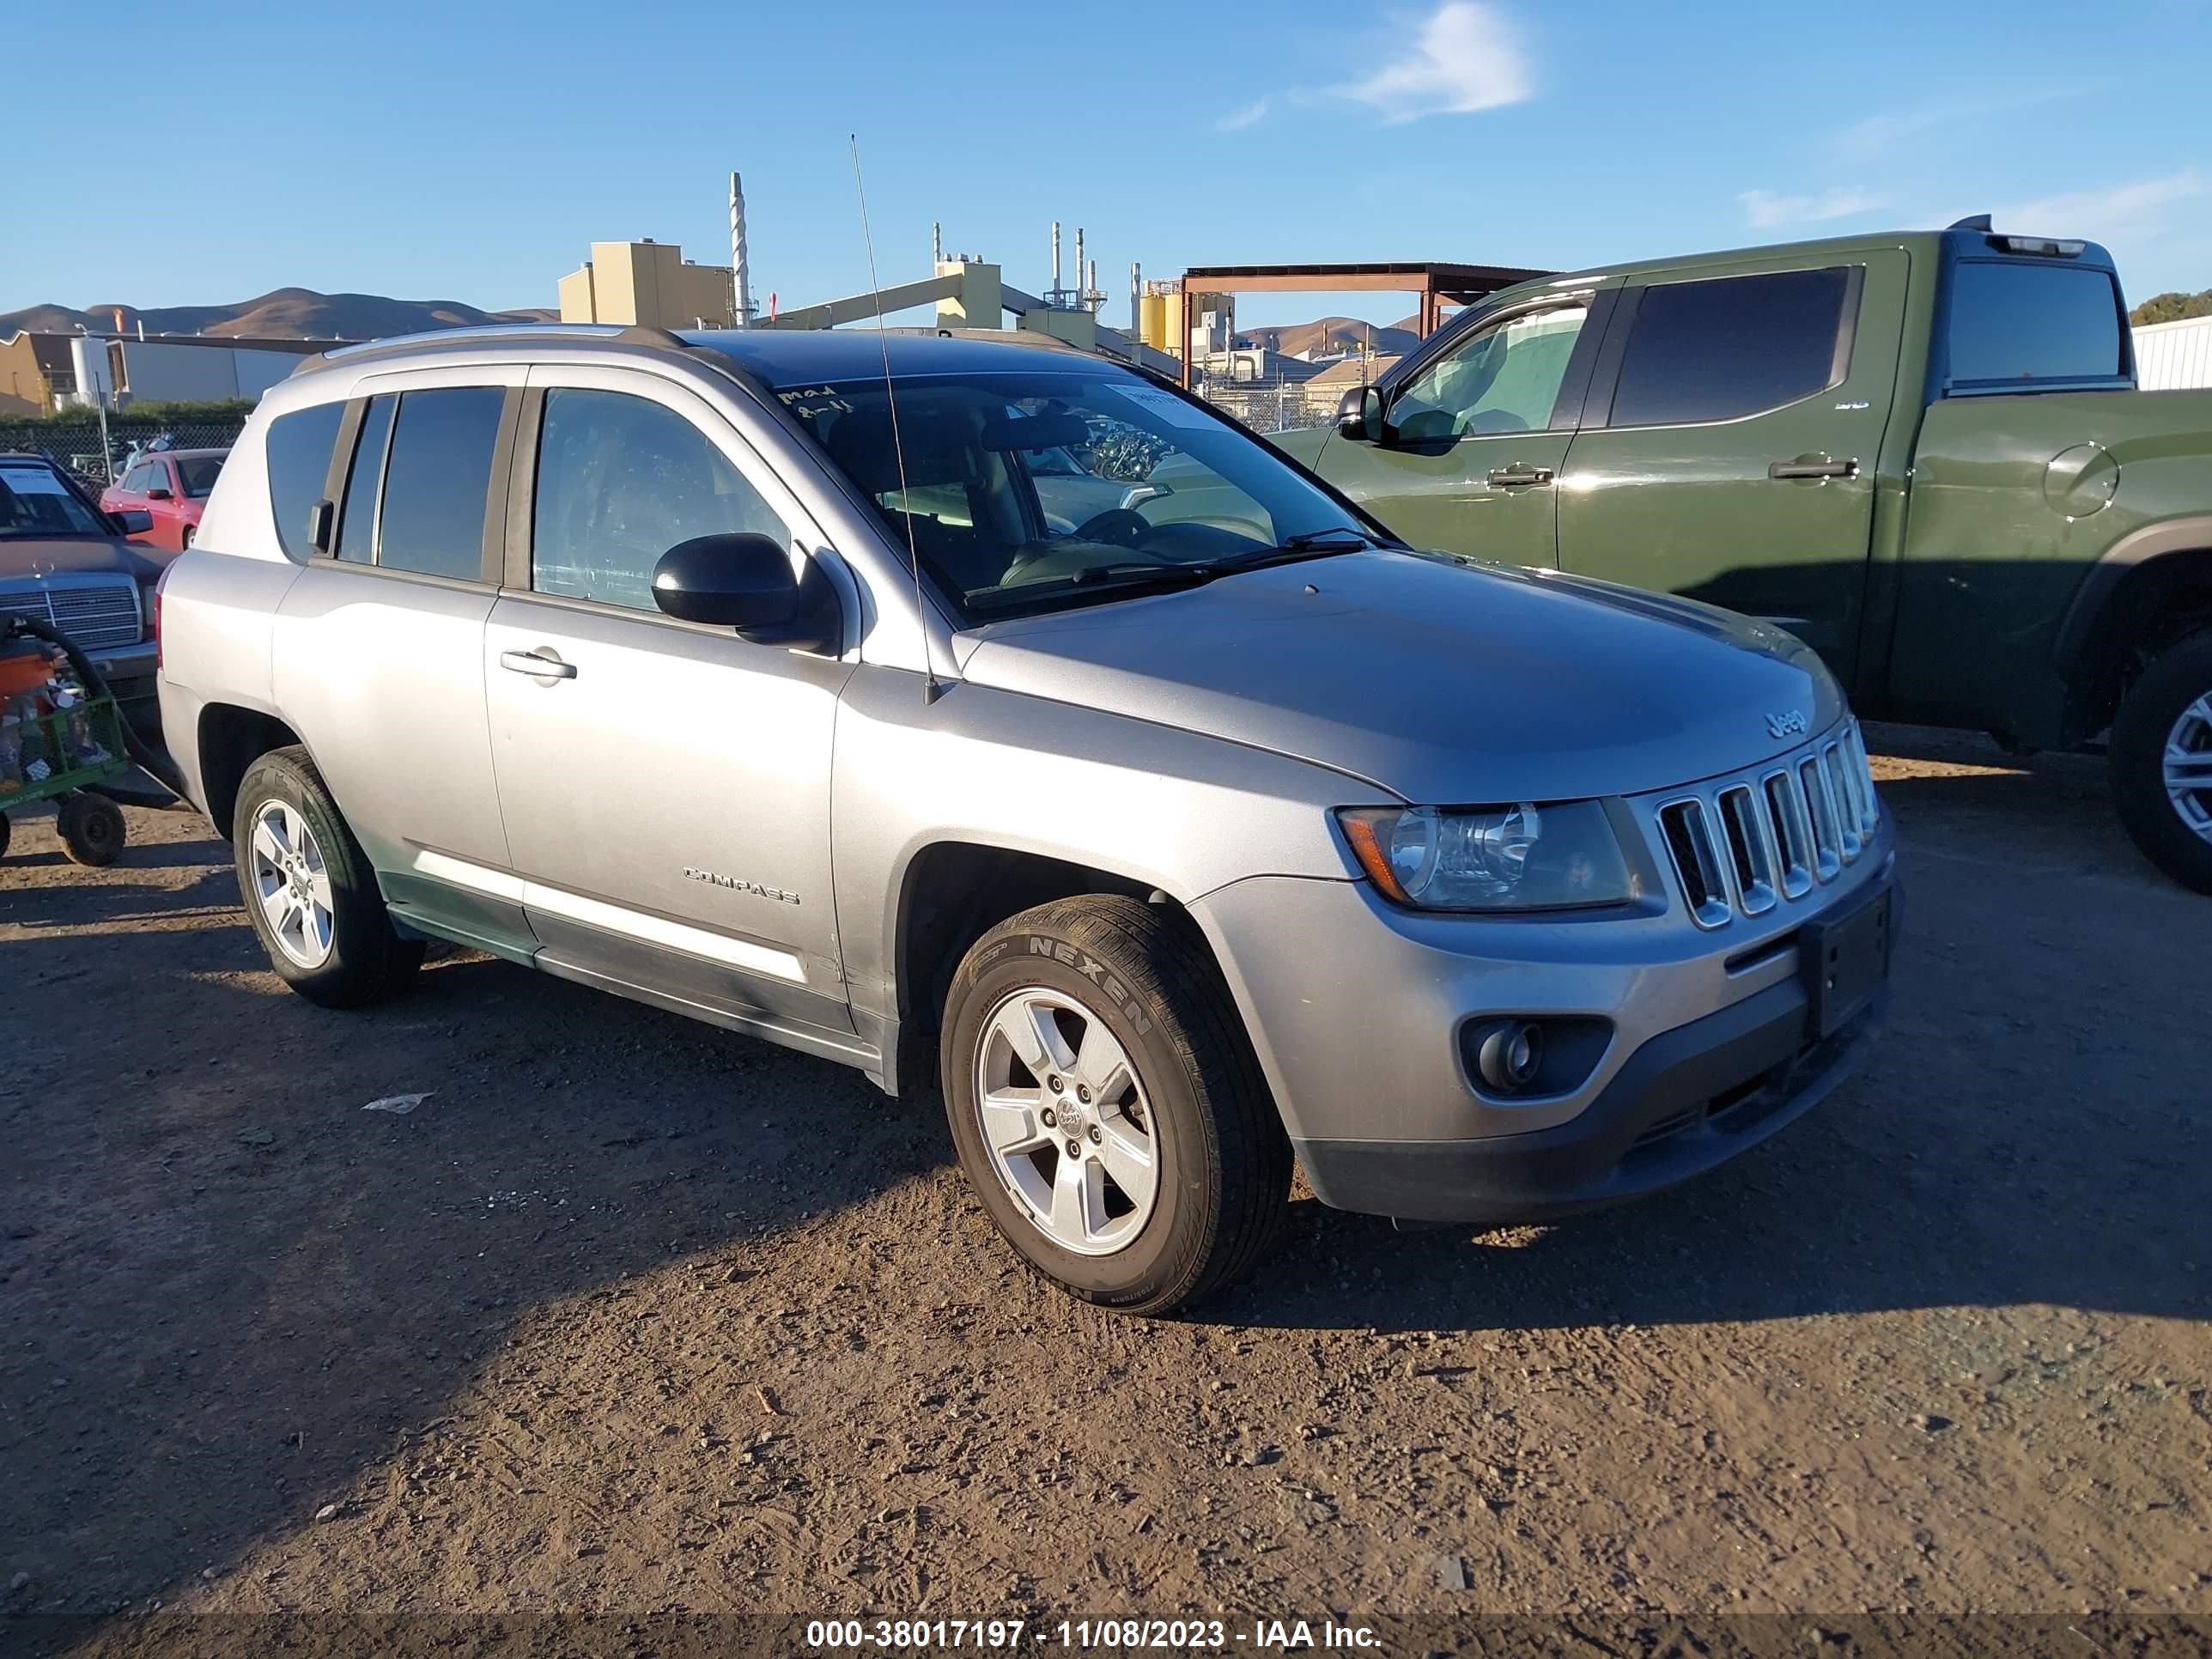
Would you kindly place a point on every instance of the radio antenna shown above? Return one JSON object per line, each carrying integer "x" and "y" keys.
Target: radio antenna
{"x": 929, "y": 686}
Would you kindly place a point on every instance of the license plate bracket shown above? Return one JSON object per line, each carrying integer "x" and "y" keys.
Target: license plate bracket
{"x": 1844, "y": 961}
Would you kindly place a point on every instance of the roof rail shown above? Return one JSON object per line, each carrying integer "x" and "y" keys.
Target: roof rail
{"x": 502, "y": 333}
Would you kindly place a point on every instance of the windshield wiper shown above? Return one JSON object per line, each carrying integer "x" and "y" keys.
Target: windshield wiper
{"x": 1306, "y": 545}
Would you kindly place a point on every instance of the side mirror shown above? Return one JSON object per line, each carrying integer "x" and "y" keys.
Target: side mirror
{"x": 744, "y": 583}
{"x": 160, "y": 493}
{"x": 1359, "y": 415}
{"x": 134, "y": 521}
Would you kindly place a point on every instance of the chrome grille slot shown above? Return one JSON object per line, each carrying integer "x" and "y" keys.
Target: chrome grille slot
{"x": 1690, "y": 839}
{"x": 1751, "y": 849}
{"x": 1828, "y": 840}
{"x": 1792, "y": 831}
{"x": 1861, "y": 776}
{"x": 1840, "y": 791}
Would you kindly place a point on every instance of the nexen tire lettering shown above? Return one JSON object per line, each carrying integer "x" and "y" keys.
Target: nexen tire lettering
{"x": 1094, "y": 970}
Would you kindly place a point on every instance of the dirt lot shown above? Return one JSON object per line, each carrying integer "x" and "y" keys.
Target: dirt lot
{"x": 632, "y": 1316}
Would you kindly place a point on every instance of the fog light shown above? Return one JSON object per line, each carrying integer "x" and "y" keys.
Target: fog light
{"x": 1510, "y": 1055}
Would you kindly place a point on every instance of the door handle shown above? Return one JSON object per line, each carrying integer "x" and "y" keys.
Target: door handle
{"x": 1518, "y": 477}
{"x": 541, "y": 665}
{"x": 1814, "y": 469}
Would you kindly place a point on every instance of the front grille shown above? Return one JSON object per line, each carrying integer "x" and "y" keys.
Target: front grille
{"x": 1742, "y": 846}
{"x": 97, "y": 615}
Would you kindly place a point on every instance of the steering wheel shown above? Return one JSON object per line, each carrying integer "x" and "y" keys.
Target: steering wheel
{"x": 1117, "y": 526}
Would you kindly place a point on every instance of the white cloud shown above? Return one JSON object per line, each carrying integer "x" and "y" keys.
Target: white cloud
{"x": 1237, "y": 119}
{"x": 1766, "y": 210}
{"x": 1468, "y": 57}
{"x": 1865, "y": 139}
{"x": 2105, "y": 215}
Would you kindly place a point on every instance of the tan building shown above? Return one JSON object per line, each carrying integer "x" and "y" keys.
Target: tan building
{"x": 647, "y": 282}
{"x": 1323, "y": 392}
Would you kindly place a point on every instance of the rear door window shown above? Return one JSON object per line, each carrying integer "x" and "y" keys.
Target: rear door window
{"x": 1735, "y": 346}
{"x": 299, "y": 455}
{"x": 438, "y": 481}
{"x": 2015, "y": 322}
{"x": 357, "y": 522}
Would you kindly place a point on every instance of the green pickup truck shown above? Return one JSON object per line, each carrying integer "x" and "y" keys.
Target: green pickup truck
{"x": 1924, "y": 453}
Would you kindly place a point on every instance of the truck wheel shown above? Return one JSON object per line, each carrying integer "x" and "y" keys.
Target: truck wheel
{"x": 92, "y": 829}
{"x": 309, "y": 890}
{"x": 2161, "y": 762}
{"x": 1107, "y": 1106}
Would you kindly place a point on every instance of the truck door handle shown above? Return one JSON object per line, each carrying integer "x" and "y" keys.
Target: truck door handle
{"x": 541, "y": 665}
{"x": 1518, "y": 477}
{"x": 1814, "y": 469}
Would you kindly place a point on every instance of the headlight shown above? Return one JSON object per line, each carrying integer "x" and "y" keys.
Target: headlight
{"x": 1491, "y": 858}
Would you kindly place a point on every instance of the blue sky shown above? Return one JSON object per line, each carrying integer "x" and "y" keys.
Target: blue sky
{"x": 458, "y": 152}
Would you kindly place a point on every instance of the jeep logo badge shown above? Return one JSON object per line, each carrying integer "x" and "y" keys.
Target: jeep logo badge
{"x": 1787, "y": 724}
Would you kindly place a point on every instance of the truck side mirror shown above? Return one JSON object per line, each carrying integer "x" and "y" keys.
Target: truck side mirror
{"x": 1359, "y": 415}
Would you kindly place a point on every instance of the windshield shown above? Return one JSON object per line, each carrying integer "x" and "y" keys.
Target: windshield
{"x": 198, "y": 473}
{"x": 33, "y": 502}
{"x": 1038, "y": 490}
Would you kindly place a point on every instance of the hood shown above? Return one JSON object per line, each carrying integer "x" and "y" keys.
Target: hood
{"x": 1446, "y": 683}
{"x": 32, "y": 557}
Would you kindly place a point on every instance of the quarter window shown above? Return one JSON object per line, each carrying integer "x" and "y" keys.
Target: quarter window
{"x": 438, "y": 480}
{"x": 620, "y": 481}
{"x": 1504, "y": 378}
{"x": 2016, "y": 323}
{"x": 1716, "y": 350}
{"x": 299, "y": 457}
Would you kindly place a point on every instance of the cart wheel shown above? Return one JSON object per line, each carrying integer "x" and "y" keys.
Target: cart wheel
{"x": 92, "y": 828}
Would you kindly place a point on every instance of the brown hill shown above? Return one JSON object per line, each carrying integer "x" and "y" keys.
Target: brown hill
{"x": 289, "y": 313}
{"x": 1331, "y": 336}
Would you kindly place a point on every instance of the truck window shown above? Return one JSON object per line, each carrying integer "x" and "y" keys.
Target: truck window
{"x": 438, "y": 479}
{"x": 299, "y": 452}
{"x": 1716, "y": 350}
{"x": 2015, "y": 321}
{"x": 1505, "y": 378}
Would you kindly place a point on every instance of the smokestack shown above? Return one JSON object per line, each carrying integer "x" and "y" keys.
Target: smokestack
{"x": 740, "y": 279}
{"x": 936, "y": 244}
{"x": 1090, "y": 282}
{"x": 1136, "y": 300}
{"x": 1055, "y": 256}
{"x": 1078, "y": 267}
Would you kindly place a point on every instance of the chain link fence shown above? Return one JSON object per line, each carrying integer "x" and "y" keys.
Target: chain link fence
{"x": 1273, "y": 405}
{"x": 75, "y": 445}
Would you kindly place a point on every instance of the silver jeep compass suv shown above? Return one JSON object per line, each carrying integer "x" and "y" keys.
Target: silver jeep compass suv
{"x": 987, "y": 715}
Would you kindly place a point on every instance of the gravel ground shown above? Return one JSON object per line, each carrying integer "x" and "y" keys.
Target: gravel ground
{"x": 629, "y": 1316}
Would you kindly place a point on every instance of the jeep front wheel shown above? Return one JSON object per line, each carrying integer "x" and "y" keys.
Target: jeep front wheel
{"x": 2161, "y": 762}
{"x": 1107, "y": 1106}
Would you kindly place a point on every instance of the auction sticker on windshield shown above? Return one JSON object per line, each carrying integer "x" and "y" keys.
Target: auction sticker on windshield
{"x": 1166, "y": 405}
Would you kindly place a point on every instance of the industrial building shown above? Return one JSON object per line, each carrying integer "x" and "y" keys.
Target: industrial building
{"x": 647, "y": 282}
{"x": 42, "y": 374}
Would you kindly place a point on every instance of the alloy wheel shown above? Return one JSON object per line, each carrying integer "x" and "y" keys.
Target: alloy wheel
{"x": 291, "y": 884}
{"x": 2187, "y": 764}
{"x": 1071, "y": 1134}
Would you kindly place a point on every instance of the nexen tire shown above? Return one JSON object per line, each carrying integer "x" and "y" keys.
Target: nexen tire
{"x": 1222, "y": 1163}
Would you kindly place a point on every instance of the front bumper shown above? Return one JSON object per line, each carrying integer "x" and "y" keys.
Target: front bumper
{"x": 1710, "y": 1050}
{"x": 1686, "y": 1102}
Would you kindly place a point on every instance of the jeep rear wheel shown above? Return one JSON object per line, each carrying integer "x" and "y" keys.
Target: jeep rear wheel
{"x": 2161, "y": 762}
{"x": 309, "y": 891}
{"x": 1107, "y": 1106}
